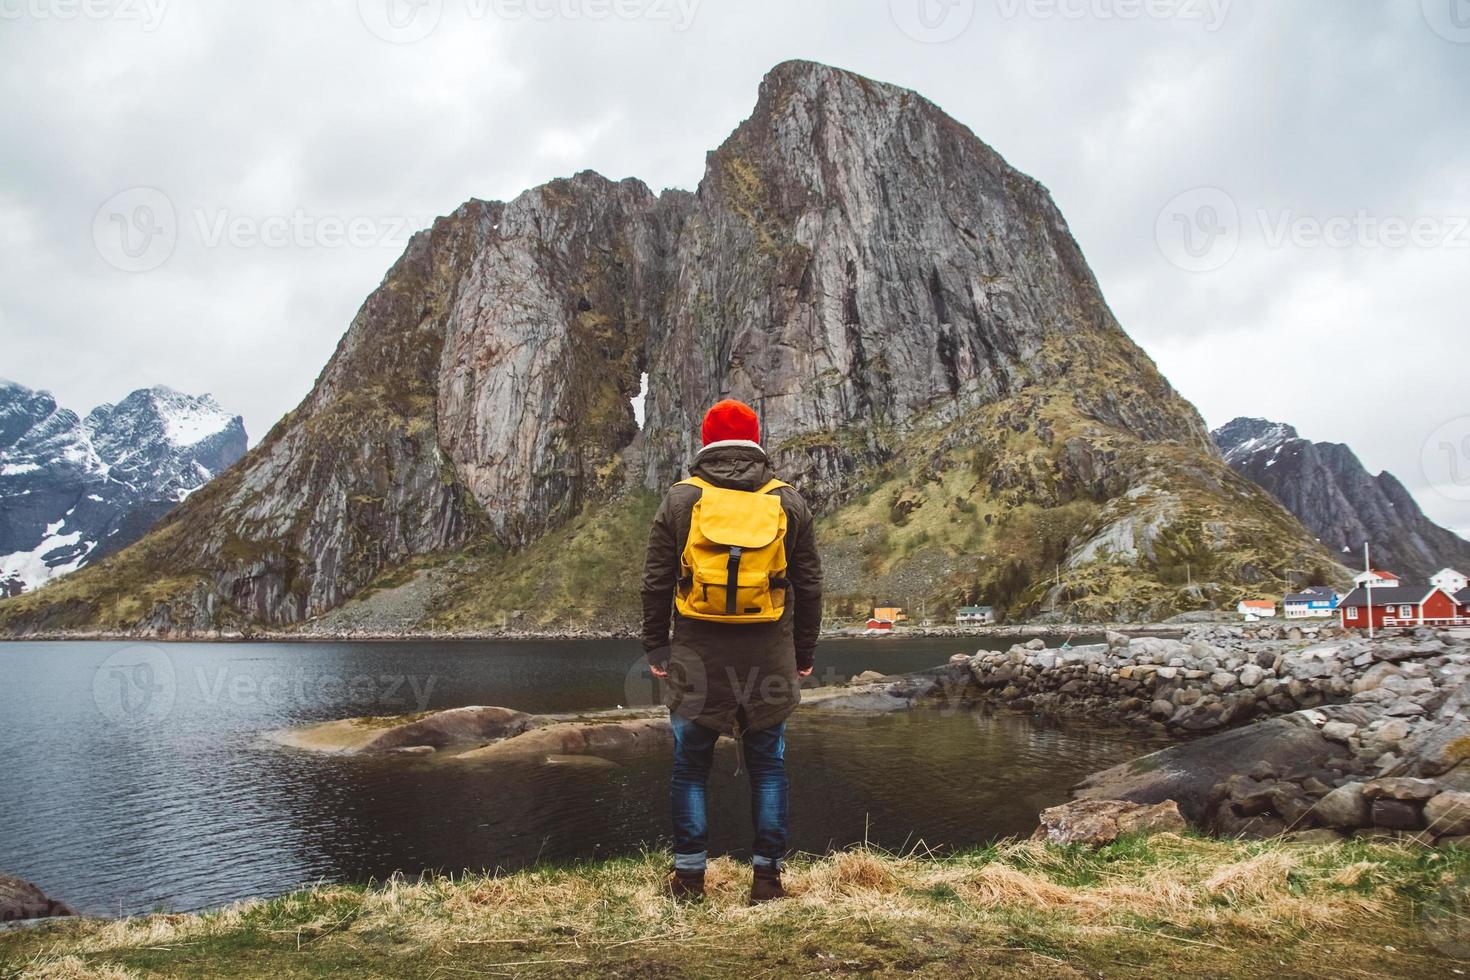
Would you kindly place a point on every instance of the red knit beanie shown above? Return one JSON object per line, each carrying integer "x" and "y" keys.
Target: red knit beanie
{"x": 731, "y": 421}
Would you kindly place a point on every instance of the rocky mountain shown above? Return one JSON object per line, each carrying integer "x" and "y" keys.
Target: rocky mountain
{"x": 934, "y": 361}
{"x": 73, "y": 490}
{"x": 1331, "y": 492}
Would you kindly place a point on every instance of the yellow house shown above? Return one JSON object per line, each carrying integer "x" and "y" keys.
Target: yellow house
{"x": 893, "y": 614}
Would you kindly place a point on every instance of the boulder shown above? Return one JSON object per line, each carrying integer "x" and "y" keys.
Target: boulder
{"x": 1344, "y": 807}
{"x": 1262, "y": 770}
{"x": 1390, "y": 733}
{"x": 1339, "y": 731}
{"x": 1099, "y": 822}
{"x": 1186, "y": 773}
{"x": 1448, "y": 814}
{"x": 1401, "y": 788}
{"x": 1438, "y": 747}
{"x": 457, "y": 726}
{"x": 463, "y": 727}
{"x": 1396, "y": 815}
{"x": 1291, "y": 803}
{"x": 21, "y": 900}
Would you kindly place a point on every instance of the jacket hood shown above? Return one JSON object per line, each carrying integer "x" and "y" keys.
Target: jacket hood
{"x": 733, "y": 467}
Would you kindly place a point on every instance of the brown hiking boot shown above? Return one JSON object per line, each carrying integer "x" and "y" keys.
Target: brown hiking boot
{"x": 766, "y": 886}
{"x": 687, "y": 886}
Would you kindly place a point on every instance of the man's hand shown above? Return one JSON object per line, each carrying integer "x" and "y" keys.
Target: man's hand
{"x": 806, "y": 671}
{"x": 661, "y": 673}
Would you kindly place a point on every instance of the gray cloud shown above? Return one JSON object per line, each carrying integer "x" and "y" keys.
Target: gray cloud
{"x": 293, "y": 122}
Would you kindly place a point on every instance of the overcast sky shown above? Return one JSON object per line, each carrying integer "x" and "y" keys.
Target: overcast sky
{"x": 1274, "y": 195}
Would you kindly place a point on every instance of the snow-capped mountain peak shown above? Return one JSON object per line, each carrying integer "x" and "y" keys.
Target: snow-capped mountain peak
{"x": 1328, "y": 489}
{"x": 1245, "y": 438}
{"x": 73, "y": 489}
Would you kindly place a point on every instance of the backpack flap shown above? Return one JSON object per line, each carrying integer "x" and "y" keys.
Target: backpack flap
{"x": 737, "y": 519}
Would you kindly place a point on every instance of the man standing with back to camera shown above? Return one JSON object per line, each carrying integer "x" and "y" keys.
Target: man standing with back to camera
{"x": 733, "y": 549}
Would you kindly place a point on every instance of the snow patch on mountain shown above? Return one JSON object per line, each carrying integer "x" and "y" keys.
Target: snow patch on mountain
{"x": 188, "y": 421}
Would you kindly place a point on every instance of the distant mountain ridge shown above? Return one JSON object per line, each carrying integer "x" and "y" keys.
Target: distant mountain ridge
{"x": 1333, "y": 494}
{"x": 73, "y": 489}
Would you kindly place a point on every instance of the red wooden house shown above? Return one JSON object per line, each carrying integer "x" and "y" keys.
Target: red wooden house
{"x": 1404, "y": 607}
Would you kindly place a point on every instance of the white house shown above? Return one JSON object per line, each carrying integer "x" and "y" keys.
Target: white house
{"x": 975, "y": 615}
{"x": 1317, "y": 601}
{"x": 1449, "y": 581}
{"x": 1376, "y": 579}
{"x": 1254, "y": 609}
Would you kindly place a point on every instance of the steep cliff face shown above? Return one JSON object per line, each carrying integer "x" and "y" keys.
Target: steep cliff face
{"x": 1335, "y": 496}
{"x": 545, "y": 345}
{"x": 73, "y": 490}
{"x": 858, "y": 263}
{"x": 934, "y": 362}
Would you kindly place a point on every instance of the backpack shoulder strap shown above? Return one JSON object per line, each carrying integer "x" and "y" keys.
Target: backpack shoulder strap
{"x": 773, "y": 485}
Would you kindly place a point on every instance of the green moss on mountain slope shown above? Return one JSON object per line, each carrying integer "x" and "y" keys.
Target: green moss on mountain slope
{"x": 584, "y": 574}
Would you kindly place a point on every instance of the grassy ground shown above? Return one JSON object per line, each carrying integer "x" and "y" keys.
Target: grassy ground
{"x": 1166, "y": 907}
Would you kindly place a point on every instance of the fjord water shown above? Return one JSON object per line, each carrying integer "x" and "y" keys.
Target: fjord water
{"x": 135, "y": 777}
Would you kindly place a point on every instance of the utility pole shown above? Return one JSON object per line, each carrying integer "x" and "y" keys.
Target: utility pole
{"x": 1368, "y": 571}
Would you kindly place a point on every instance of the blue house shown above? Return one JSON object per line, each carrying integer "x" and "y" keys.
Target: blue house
{"x": 1316, "y": 602}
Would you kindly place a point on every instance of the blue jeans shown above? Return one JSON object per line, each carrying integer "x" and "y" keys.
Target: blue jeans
{"x": 765, "y": 757}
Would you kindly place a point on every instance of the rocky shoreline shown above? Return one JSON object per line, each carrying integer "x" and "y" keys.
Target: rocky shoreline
{"x": 1355, "y": 736}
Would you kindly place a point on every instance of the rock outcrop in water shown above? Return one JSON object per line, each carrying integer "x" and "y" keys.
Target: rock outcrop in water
{"x": 933, "y": 359}
{"x": 1335, "y": 496}
{"x": 492, "y": 733}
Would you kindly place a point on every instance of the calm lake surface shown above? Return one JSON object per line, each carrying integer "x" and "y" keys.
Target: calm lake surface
{"x": 134, "y": 777}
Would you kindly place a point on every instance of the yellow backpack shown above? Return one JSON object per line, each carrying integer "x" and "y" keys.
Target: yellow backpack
{"x": 734, "y": 565}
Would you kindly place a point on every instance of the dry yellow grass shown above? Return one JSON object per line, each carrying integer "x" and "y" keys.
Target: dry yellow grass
{"x": 1172, "y": 904}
